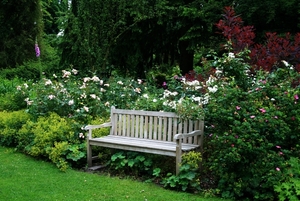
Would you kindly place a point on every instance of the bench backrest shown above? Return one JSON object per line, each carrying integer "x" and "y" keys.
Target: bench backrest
{"x": 153, "y": 125}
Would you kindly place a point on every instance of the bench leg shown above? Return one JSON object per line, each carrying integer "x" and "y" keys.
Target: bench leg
{"x": 178, "y": 159}
{"x": 89, "y": 155}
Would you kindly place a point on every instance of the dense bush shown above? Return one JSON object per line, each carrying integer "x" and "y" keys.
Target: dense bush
{"x": 10, "y": 99}
{"x": 10, "y": 124}
{"x": 251, "y": 132}
{"x": 59, "y": 139}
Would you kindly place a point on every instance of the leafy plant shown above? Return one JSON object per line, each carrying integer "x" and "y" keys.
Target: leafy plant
{"x": 131, "y": 162}
{"x": 188, "y": 177}
{"x": 290, "y": 189}
{"x": 10, "y": 124}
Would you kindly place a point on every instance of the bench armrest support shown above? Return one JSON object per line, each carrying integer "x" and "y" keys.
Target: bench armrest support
{"x": 91, "y": 127}
{"x": 185, "y": 135}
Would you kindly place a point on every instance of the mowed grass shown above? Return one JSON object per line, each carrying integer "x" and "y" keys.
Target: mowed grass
{"x": 25, "y": 178}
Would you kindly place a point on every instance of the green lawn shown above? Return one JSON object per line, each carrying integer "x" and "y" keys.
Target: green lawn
{"x": 25, "y": 178}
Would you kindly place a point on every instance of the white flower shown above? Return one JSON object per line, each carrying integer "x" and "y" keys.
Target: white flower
{"x": 139, "y": 81}
{"x": 51, "y": 97}
{"x": 19, "y": 88}
{"x": 213, "y": 89}
{"x": 106, "y": 85}
{"x": 95, "y": 79}
{"x": 54, "y": 76}
{"x": 137, "y": 90}
{"x": 86, "y": 79}
{"x": 120, "y": 82}
{"x": 74, "y": 71}
{"x": 81, "y": 135}
{"x": 71, "y": 102}
{"x": 285, "y": 63}
{"x": 145, "y": 96}
{"x": 25, "y": 85}
{"x": 154, "y": 100}
{"x": 231, "y": 55}
{"x": 101, "y": 82}
{"x": 83, "y": 95}
{"x": 66, "y": 74}
{"x": 106, "y": 104}
{"x": 175, "y": 93}
{"x": 193, "y": 83}
{"x": 210, "y": 80}
{"x": 197, "y": 99}
{"x": 48, "y": 82}
{"x": 28, "y": 101}
{"x": 93, "y": 96}
{"x": 102, "y": 90}
{"x": 86, "y": 108}
{"x": 83, "y": 86}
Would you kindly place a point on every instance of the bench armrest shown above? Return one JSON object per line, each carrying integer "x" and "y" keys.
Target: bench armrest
{"x": 185, "y": 135}
{"x": 88, "y": 127}
{"x": 91, "y": 127}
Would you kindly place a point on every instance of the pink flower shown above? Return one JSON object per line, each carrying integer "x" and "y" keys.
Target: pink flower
{"x": 238, "y": 107}
{"x": 278, "y": 147}
{"x": 277, "y": 169}
{"x": 262, "y": 110}
{"x": 280, "y": 153}
{"x": 252, "y": 117}
{"x": 275, "y": 117}
{"x": 293, "y": 118}
{"x": 296, "y": 97}
{"x": 232, "y": 145}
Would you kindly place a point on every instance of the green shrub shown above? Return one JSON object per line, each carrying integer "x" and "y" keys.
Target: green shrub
{"x": 54, "y": 137}
{"x": 251, "y": 132}
{"x": 10, "y": 124}
{"x": 10, "y": 99}
{"x": 290, "y": 188}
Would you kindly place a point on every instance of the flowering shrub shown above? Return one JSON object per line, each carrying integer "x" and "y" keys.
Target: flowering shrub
{"x": 252, "y": 132}
{"x": 71, "y": 96}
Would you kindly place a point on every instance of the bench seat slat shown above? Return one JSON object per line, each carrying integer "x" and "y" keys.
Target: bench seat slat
{"x": 139, "y": 142}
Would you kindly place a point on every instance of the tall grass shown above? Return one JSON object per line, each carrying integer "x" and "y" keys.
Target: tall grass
{"x": 24, "y": 178}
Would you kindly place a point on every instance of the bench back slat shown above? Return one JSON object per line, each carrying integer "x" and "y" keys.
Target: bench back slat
{"x": 152, "y": 125}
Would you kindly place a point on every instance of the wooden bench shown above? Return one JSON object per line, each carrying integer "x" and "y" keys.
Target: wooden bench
{"x": 152, "y": 132}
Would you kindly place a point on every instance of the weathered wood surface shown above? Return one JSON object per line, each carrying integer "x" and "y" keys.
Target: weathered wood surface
{"x": 153, "y": 132}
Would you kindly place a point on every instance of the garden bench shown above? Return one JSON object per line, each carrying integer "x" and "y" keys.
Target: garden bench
{"x": 154, "y": 132}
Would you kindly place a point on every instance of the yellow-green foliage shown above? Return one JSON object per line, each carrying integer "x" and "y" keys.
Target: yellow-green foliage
{"x": 101, "y": 131}
{"x": 192, "y": 158}
{"x": 48, "y": 130}
{"x": 56, "y": 155}
{"x": 10, "y": 124}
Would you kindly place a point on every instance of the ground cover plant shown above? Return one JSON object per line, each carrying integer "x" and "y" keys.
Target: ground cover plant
{"x": 25, "y": 178}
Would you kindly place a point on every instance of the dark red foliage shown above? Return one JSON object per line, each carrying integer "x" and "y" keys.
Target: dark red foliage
{"x": 266, "y": 56}
{"x": 232, "y": 28}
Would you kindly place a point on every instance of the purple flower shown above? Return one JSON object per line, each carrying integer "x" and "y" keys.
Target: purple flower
{"x": 296, "y": 97}
{"x": 37, "y": 50}
{"x": 164, "y": 85}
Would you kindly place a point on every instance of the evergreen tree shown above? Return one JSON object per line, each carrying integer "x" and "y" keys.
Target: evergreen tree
{"x": 20, "y": 27}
